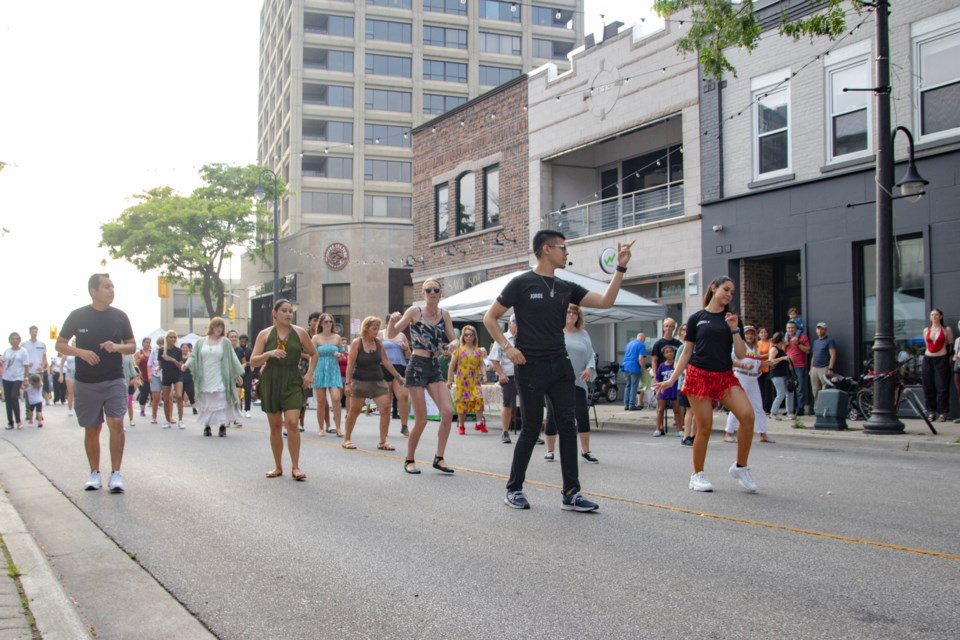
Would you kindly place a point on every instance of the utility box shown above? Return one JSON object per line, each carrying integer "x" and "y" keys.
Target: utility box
{"x": 831, "y": 410}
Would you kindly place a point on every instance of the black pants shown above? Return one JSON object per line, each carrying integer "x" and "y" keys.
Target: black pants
{"x": 144, "y": 398}
{"x": 581, "y": 413}
{"x": 766, "y": 391}
{"x": 936, "y": 383}
{"x": 552, "y": 378}
{"x": 59, "y": 387}
{"x": 247, "y": 391}
{"x": 11, "y": 398}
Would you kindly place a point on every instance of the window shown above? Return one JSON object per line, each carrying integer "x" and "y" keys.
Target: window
{"x": 441, "y": 198}
{"x": 466, "y": 203}
{"x": 547, "y": 17}
{"x": 381, "y": 65}
{"x": 496, "y": 76}
{"x": 387, "y": 206}
{"x": 771, "y": 126}
{"x": 184, "y": 304}
{"x": 445, "y": 37}
{"x": 445, "y": 71}
{"x": 319, "y": 202}
{"x": 497, "y": 43}
{"x": 387, "y": 100}
{"x": 328, "y": 94}
{"x": 456, "y": 7}
{"x": 435, "y": 104}
{"x": 386, "y": 135}
{"x": 313, "y": 167}
{"x": 393, "y": 4}
{"x": 849, "y": 112}
{"x": 909, "y": 307}
{"x": 328, "y": 59}
{"x": 491, "y": 196}
{"x": 387, "y": 170}
{"x": 497, "y": 10}
{"x": 551, "y": 49}
{"x": 938, "y": 85}
{"x": 391, "y": 31}
{"x": 328, "y": 25}
{"x": 328, "y": 130}
{"x": 336, "y": 302}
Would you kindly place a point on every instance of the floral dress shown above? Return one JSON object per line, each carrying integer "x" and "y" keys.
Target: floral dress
{"x": 468, "y": 389}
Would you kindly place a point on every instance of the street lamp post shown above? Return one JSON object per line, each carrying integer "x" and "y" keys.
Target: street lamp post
{"x": 260, "y": 195}
{"x": 883, "y": 419}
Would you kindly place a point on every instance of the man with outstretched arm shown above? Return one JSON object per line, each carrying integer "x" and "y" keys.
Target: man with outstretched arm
{"x": 103, "y": 336}
{"x": 540, "y": 302}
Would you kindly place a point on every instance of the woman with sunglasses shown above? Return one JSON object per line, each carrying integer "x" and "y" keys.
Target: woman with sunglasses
{"x": 327, "y": 377}
{"x": 712, "y": 334}
{"x": 170, "y": 359}
{"x": 466, "y": 377}
{"x": 430, "y": 330}
{"x": 278, "y": 350}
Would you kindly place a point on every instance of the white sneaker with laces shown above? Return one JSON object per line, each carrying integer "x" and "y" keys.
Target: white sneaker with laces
{"x": 742, "y": 474}
{"x": 181, "y": 425}
{"x": 116, "y": 483}
{"x": 94, "y": 482}
{"x": 699, "y": 482}
{"x": 246, "y": 415}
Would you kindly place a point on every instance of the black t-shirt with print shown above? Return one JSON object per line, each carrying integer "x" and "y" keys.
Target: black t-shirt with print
{"x": 660, "y": 344}
{"x": 713, "y": 340}
{"x": 540, "y": 315}
{"x": 91, "y": 328}
{"x": 171, "y": 370}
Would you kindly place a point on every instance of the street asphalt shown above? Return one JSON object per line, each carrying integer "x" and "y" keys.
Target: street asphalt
{"x": 850, "y": 536}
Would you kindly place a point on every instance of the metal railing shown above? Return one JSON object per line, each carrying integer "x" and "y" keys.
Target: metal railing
{"x": 630, "y": 209}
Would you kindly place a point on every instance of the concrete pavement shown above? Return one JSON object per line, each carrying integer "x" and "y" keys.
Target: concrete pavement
{"x": 74, "y": 541}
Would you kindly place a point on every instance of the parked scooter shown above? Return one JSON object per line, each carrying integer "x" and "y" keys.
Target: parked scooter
{"x": 605, "y": 384}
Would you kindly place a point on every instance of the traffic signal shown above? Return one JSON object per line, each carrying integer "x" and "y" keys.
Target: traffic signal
{"x": 53, "y": 332}
{"x": 163, "y": 287}
{"x": 233, "y": 313}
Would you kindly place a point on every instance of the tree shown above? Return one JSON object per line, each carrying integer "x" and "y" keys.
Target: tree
{"x": 188, "y": 238}
{"x": 719, "y": 24}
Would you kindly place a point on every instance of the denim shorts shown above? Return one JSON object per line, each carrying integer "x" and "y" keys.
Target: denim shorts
{"x": 422, "y": 371}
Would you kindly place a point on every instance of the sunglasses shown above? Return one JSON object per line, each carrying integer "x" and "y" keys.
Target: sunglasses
{"x": 562, "y": 247}
{"x": 469, "y": 335}
{"x": 432, "y": 290}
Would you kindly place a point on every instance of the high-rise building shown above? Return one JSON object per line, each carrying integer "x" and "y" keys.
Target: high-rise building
{"x": 342, "y": 83}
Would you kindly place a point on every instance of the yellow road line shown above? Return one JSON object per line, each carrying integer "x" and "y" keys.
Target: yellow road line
{"x": 681, "y": 510}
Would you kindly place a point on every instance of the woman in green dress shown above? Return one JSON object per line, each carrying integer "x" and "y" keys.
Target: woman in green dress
{"x": 278, "y": 349}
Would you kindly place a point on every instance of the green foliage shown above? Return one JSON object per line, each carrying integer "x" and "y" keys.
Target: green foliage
{"x": 716, "y": 25}
{"x": 188, "y": 238}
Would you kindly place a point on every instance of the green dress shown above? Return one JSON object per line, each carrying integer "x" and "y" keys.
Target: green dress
{"x": 281, "y": 385}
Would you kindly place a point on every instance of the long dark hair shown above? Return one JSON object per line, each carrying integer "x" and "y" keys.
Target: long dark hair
{"x": 708, "y": 294}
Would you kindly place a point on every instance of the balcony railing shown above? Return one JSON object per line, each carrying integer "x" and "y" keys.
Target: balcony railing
{"x": 630, "y": 209}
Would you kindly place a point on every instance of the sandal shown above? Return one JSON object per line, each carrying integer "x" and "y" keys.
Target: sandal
{"x": 729, "y": 438}
{"x": 406, "y": 467}
{"x": 764, "y": 438}
{"x": 276, "y": 473}
{"x": 348, "y": 445}
{"x": 299, "y": 476}
{"x": 332, "y": 431}
{"x": 386, "y": 446}
{"x": 439, "y": 467}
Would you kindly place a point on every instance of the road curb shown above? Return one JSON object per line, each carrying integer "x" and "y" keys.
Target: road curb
{"x": 54, "y": 612}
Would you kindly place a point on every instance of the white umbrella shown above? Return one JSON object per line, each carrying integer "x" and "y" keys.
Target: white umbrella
{"x": 472, "y": 304}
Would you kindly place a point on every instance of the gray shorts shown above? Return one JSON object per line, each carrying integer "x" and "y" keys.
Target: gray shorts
{"x": 93, "y": 400}
{"x": 369, "y": 388}
{"x": 155, "y": 385}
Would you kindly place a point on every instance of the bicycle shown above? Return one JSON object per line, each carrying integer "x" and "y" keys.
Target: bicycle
{"x": 863, "y": 399}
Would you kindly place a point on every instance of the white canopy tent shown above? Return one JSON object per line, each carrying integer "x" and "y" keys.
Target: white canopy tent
{"x": 472, "y": 304}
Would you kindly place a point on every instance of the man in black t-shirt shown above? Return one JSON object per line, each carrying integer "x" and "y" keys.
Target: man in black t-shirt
{"x": 102, "y": 337}
{"x": 669, "y": 326}
{"x": 244, "y": 352}
{"x": 540, "y": 302}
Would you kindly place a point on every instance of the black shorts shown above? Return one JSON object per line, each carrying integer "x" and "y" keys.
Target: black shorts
{"x": 684, "y": 402}
{"x": 401, "y": 369}
{"x": 170, "y": 378}
{"x": 509, "y": 391}
{"x": 422, "y": 372}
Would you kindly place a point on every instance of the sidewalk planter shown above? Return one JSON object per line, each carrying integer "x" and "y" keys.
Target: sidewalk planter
{"x": 831, "y": 410}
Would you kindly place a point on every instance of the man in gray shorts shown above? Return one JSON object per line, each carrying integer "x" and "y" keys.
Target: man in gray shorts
{"x": 103, "y": 336}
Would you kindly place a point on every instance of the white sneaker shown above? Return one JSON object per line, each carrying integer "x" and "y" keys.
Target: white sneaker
{"x": 116, "y": 483}
{"x": 93, "y": 482}
{"x": 742, "y": 474}
{"x": 167, "y": 425}
{"x": 70, "y": 413}
{"x": 699, "y": 482}
{"x": 246, "y": 415}
{"x": 181, "y": 425}
{"x": 132, "y": 423}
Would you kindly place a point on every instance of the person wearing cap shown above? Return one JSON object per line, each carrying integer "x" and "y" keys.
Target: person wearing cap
{"x": 747, "y": 371}
{"x": 823, "y": 361}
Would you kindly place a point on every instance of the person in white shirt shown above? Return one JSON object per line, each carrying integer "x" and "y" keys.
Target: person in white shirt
{"x": 508, "y": 385}
{"x": 16, "y": 368}
{"x": 37, "y": 351}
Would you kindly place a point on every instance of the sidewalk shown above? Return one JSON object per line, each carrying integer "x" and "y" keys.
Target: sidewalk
{"x": 916, "y": 436}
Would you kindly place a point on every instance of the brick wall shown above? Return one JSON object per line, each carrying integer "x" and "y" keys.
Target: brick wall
{"x": 756, "y": 293}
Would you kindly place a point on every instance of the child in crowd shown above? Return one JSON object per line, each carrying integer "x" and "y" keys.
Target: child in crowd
{"x": 667, "y": 396}
{"x": 35, "y": 399}
{"x": 797, "y": 320}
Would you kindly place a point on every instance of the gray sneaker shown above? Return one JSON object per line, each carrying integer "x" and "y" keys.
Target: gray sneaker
{"x": 505, "y": 438}
{"x": 576, "y": 502}
{"x": 517, "y": 500}
{"x": 116, "y": 483}
{"x": 742, "y": 474}
{"x": 94, "y": 482}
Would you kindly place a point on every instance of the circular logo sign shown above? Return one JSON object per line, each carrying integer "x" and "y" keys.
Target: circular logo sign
{"x": 337, "y": 256}
{"x": 608, "y": 260}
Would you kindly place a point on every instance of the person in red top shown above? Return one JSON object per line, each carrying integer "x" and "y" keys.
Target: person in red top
{"x": 936, "y": 366}
{"x": 798, "y": 346}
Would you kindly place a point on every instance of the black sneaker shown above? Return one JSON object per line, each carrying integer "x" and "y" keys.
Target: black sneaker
{"x": 588, "y": 457}
{"x": 576, "y": 502}
{"x": 687, "y": 442}
{"x": 223, "y": 431}
{"x": 505, "y": 438}
{"x": 403, "y": 430}
{"x": 540, "y": 440}
{"x": 206, "y": 431}
{"x": 517, "y": 500}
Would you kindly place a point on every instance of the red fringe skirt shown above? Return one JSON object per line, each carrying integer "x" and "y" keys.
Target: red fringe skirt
{"x": 700, "y": 383}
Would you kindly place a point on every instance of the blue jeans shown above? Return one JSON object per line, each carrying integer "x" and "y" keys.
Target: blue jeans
{"x": 798, "y": 395}
{"x": 554, "y": 379}
{"x": 630, "y": 393}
